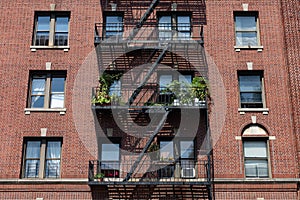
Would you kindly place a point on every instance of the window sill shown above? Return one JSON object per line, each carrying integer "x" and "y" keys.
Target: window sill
{"x": 238, "y": 48}
{"x": 34, "y": 48}
{"x": 242, "y": 111}
{"x": 62, "y": 111}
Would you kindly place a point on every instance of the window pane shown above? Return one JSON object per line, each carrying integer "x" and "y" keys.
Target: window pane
{"x": 115, "y": 88}
{"x": 57, "y": 101}
{"x": 38, "y": 86}
{"x": 164, "y": 80}
{"x": 185, "y": 79}
{"x": 166, "y": 150}
{"x": 250, "y": 83}
{"x": 246, "y": 39}
{"x": 165, "y": 23}
{"x": 32, "y": 168}
{"x": 52, "y": 168}
{"x": 110, "y": 152}
{"x": 256, "y": 168}
{"x": 58, "y": 84}
{"x": 183, "y": 23}
{"x": 61, "y": 39}
{"x": 62, "y": 24}
{"x": 37, "y": 102}
{"x": 245, "y": 23}
{"x": 33, "y": 149}
{"x": 43, "y": 23}
{"x": 114, "y": 23}
{"x": 255, "y": 149}
{"x": 187, "y": 149}
{"x": 53, "y": 149}
{"x": 251, "y": 97}
{"x": 42, "y": 38}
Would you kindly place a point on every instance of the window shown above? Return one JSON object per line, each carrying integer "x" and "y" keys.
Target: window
{"x": 251, "y": 89}
{"x": 47, "y": 90}
{"x": 110, "y": 159}
{"x": 166, "y": 79}
{"x": 256, "y": 159}
{"x": 42, "y": 158}
{"x": 187, "y": 150}
{"x": 113, "y": 25}
{"x": 246, "y": 29}
{"x": 166, "y": 150}
{"x": 115, "y": 88}
{"x": 51, "y": 29}
{"x": 179, "y": 24}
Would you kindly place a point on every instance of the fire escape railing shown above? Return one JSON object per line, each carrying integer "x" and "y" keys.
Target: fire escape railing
{"x": 152, "y": 171}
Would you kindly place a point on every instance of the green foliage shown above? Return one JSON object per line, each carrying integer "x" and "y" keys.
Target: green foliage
{"x": 102, "y": 91}
{"x": 99, "y": 176}
{"x": 199, "y": 88}
{"x": 186, "y": 93}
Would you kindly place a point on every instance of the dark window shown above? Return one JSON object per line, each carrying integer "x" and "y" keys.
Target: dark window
{"x": 51, "y": 29}
{"x": 47, "y": 90}
{"x": 113, "y": 25}
{"x": 251, "y": 90}
{"x": 246, "y": 29}
{"x": 256, "y": 159}
{"x": 42, "y": 158}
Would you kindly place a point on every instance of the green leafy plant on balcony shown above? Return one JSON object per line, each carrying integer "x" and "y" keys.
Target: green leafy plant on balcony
{"x": 199, "y": 88}
{"x": 186, "y": 93}
{"x": 153, "y": 151}
{"x": 99, "y": 177}
{"x": 101, "y": 95}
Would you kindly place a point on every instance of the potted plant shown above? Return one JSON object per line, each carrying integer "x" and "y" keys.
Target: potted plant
{"x": 101, "y": 95}
{"x": 153, "y": 151}
{"x": 199, "y": 89}
{"x": 99, "y": 177}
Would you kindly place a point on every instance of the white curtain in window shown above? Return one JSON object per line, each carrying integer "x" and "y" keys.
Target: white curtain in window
{"x": 57, "y": 101}
{"x": 53, "y": 149}
{"x": 53, "y": 158}
{"x": 33, "y": 149}
{"x": 256, "y": 168}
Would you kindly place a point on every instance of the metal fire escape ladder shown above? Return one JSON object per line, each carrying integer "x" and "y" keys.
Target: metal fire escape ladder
{"x": 138, "y": 160}
{"x": 148, "y": 75}
{"x": 143, "y": 19}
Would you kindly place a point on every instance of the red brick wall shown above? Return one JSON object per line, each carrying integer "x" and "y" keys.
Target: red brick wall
{"x": 17, "y": 20}
{"x": 279, "y": 60}
{"x": 291, "y": 21}
{"x": 220, "y": 41}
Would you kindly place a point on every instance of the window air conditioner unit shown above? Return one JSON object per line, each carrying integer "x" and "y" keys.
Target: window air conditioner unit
{"x": 188, "y": 173}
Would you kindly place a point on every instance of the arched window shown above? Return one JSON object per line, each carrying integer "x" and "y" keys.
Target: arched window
{"x": 256, "y": 152}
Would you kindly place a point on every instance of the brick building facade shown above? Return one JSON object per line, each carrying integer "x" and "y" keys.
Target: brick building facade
{"x": 240, "y": 141}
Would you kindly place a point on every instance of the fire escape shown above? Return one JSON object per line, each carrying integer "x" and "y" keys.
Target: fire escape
{"x": 129, "y": 37}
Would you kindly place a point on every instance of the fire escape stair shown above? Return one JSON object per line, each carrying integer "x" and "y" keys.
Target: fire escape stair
{"x": 148, "y": 75}
{"x": 141, "y": 155}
